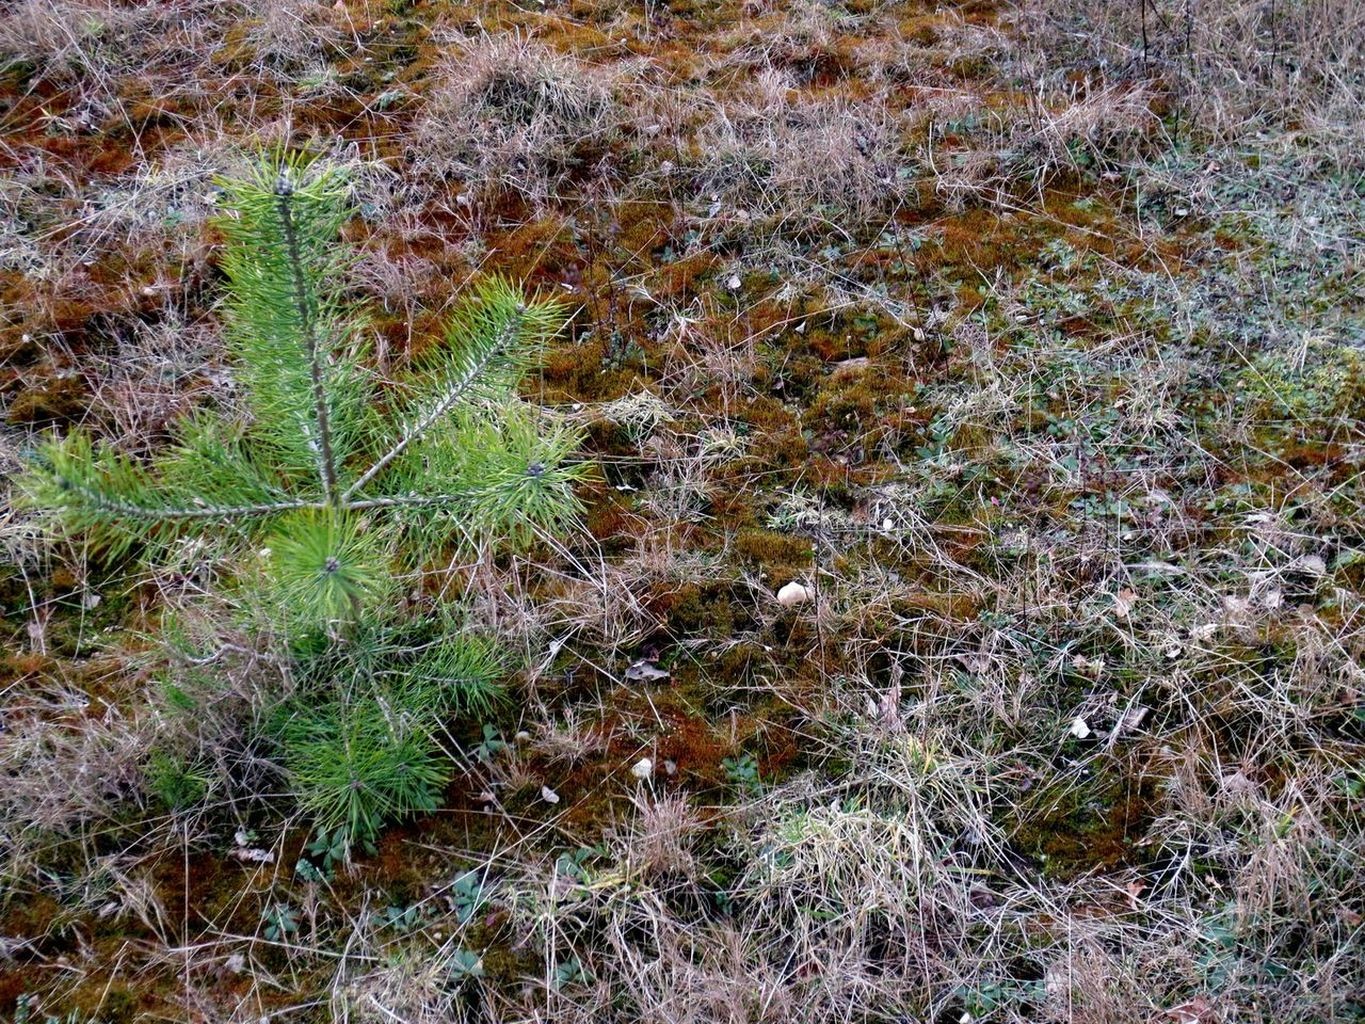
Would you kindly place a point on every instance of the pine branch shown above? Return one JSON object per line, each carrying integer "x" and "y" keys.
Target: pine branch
{"x": 284, "y": 333}
{"x": 303, "y": 303}
{"x": 91, "y": 499}
{"x": 409, "y": 501}
{"x": 456, "y": 389}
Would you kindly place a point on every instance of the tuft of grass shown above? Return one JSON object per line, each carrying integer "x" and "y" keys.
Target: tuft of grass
{"x": 508, "y": 114}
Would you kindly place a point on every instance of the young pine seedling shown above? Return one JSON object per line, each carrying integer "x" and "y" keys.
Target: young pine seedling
{"x": 325, "y": 483}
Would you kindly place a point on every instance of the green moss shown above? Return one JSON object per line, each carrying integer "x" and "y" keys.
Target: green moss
{"x": 708, "y": 608}
{"x": 769, "y": 548}
{"x": 1072, "y": 828}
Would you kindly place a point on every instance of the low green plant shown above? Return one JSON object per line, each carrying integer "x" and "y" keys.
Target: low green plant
{"x": 329, "y": 848}
{"x": 491, "y": 745}
{"x": 324, "y": 485}
{"x": 467, "y": 896}
{"x": 464, "y": 964}
{"x": 281, "y": 922}
{"x": 573, "y": 864}
{"x": 989, "y": 996}
{"x": 401, "y": 919}
{"x": 742, "y": 772}
{"x": 24, "y": 1014}
{"x": 569, "y": 972}
{"x": 173, "y": 782}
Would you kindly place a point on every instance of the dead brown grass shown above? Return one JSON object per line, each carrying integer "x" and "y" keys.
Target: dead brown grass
{"x": 509, "y": 114}
{"x": 1234, "y": 69}
{"x": 782, "y": 156}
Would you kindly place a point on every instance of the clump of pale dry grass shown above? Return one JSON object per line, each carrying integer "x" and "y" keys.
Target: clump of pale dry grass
{"x": 805, "y": 41}
{"x": 783, "y": 156}
{"x": 660, "y": 837}
{"x": 69, "y": 762}
{"x": 76, "y": 754}
{"x": 509, "y": 114}
{"x": 296, "y": 35}
{"x": 1090, "y": 131}
{"x": 1234, "y": 69}
{"x": 154, "y": 375}
{"x": 69, "y": 38}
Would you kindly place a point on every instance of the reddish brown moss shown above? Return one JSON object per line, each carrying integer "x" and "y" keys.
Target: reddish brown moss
{"x": 60, "y": 398}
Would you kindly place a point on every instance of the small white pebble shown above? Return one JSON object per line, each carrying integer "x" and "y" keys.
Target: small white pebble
{"x": 793, "y": 594}
{"x": 643, "y": 768}
{"x": 549, "y": 795}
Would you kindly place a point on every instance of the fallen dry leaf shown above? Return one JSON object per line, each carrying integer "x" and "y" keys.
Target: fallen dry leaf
{"x": 1123, "y": 603}
{"x": 645, "y": 671}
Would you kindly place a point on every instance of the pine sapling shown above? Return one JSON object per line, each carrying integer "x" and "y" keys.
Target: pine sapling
{"x": 326, "y": 481}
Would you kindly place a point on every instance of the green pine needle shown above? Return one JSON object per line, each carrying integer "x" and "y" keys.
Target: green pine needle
{"x": 359, "y": 765}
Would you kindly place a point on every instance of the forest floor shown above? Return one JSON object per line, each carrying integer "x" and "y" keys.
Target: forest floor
{"x": 1028, "y": 341}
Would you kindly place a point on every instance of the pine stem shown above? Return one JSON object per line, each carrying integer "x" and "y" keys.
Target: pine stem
{"x": 92, "y": 498}
{"x": 284, "y": 191}
{"x": 454, "y": 393}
